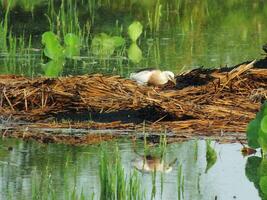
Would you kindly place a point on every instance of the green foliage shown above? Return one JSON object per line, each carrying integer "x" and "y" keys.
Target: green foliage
{"x": 72, "y": 45}
{"x": 134, "y": 53}
{"x": 57, "y": 53}
{"x": 53, "y": 48}
{"x": 211, "y": 156}
{"x": 256, "y": 171}
{"x": 105, "y": 45}
{"x": 257, "y": 130}
{"x": 135, "y": 30}
{"x": 53, "y": 68}
{"x": 113, "y": 180}
{"x": 263, "y": 185}
{"x": 264, "y": 124}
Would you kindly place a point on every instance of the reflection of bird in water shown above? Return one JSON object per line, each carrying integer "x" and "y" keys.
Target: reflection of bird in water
{"x": 151, "y": 163}
{"x": 153, "y": 77}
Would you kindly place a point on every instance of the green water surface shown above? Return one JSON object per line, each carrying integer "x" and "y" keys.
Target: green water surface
{"x": 178, "y": 35}
{"x": 31, "y": 167}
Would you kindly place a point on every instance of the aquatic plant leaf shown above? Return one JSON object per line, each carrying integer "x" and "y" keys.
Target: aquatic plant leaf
{"x": 263, "y": 167}
{"x": 103, "y": 45}
{"x": 72, "y": 40}
{"x": 211, "y": 156}
{"x": 71, "y": 52}
{"x": 53, "y": 49}
{"x": 263, "y": 185}
{"x": 252, "y": 169}
{"x": 53, "y": 68}
{"x": 254, "y": 128}
{"x": 256, "y": 170}
{"x": 135, "y": 30}
{"x": 72, "y": 45}
{"x": 262, "y": 140}
{"x": 264, "y": 124}
{"x": 252, "y": 133}
{"x": 118, "y": 41}
{"x": 135, "y": 53}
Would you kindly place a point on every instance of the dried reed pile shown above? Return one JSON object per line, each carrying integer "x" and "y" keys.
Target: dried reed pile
{"x": 227, "y": 101}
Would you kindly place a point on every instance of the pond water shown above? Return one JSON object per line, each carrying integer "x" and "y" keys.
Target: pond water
{"x": 60, "y": 168}
{"x": 177, "y": 35}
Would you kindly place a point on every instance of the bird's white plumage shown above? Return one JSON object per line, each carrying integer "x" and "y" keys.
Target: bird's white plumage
{"x": 153, "y": 77}
{"x": 141, "y": 77}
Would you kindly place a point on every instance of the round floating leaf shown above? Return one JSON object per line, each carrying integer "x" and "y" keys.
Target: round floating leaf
{"x": 264, "y": 124}
{"x": 135, "y": 53}
{"x": 53, "y": 49}
{"x": 135, "y": 30}
{"x": 252, "y": 133}
{"x": 263, "y": 185}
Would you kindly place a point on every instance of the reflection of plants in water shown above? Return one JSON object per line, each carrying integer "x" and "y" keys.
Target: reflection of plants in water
{"x": 53, "y": 68}
{"x": 180, "y": 182}
{"x": 211, "y": 156}
{"x": 256, "y": 172}
{"x": 257, "y": 130}
{"x": 114, "y": 184}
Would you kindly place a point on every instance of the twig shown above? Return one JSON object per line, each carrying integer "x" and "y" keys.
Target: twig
{"x": 4, "y": 92}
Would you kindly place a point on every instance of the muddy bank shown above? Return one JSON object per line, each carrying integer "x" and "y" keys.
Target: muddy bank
{"x": 208, "y": 103}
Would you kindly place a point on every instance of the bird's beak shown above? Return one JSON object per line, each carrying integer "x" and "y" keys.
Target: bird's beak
{"x": 173, "y": 80}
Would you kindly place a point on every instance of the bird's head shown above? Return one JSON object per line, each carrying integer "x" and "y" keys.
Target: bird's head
{"x": 170, "y": 76}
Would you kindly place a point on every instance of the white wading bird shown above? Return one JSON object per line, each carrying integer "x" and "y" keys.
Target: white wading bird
{"x": 153, "y": 77}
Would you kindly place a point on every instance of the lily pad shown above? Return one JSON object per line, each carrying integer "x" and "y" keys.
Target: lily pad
{"x": 53, "y": 49}
{"x": 135, "y": 30}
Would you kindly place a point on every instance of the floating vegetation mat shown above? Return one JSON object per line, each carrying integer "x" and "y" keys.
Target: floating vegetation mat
{"x": 203, "y": 102}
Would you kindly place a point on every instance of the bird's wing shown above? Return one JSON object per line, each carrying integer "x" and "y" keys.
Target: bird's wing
{"x": 141, "y": 77}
